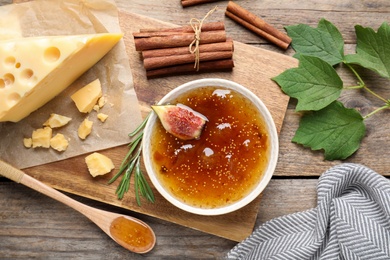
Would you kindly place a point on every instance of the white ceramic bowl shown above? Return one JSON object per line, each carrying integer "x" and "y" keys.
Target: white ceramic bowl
{"x": 273, "y": 146}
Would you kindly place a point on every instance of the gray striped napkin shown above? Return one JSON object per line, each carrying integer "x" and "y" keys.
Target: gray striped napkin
{"x": 351, "y": 221}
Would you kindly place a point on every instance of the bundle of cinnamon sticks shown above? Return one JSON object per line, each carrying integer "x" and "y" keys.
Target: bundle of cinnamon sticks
{"x": 167, "y": 51}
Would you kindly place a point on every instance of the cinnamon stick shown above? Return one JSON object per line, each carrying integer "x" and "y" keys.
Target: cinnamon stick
{"x": 257, "y": 25}
{"x": 210, "y": 26}
{"x": 166, "y": 61}
{"x": 258, "y": 31}
{"x": 177, "y": 40}
{"x": 210, "y": 47}
{"x": 185, "y": 49}
{"x": 186, "y": 3}
{"x": 151, "y": 34}
{"x": 206, "y": 66}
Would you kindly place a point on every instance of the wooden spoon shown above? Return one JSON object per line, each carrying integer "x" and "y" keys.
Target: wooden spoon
{"x": 129, "y": 232}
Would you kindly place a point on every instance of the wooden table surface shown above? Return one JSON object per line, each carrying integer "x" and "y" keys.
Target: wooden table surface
{"x": 34, "y": 226}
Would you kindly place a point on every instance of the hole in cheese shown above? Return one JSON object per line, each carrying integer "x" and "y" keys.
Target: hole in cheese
{"x": 13, "y": 98}
{"x": 2, "y": 83}
{"x": 27, "y": 74}
{"x": 17, "y": 65}
{"x": 52, "y": 54}
{"x": 9, "y": 79}
{"x": 10, "y": 61}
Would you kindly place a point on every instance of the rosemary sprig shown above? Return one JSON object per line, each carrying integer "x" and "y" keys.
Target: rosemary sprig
{"x": 131, "y": 163}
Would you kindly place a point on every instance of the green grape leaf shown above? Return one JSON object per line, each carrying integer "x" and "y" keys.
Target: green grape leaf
{"x": 332, "y": 33}
{"x": 373, "y": 49}
{"x": 325, "y": 41}
{"x": 314, "y": 83}
{"x": 335, "y": 129}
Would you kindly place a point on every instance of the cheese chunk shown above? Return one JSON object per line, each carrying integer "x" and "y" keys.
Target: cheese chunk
{"x": 87, "y": 97}
{"x": 85, "y": 128}
{"x": 96, "y": 108}
{"x": 102, "y": 117}
{"x": 41, "y": 137}
{"x": 27, "y": 142}
{"x": 34, "y": 70}
{"x": 56, "y": 120}
{"x": 59, "y": 142}
{"x": 102, "y": 101}
{"x": 98, "y": 164}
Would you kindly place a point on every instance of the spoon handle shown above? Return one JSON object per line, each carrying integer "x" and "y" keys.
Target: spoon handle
{"x": 11, "y": 172}
{"x": 19, "y": 176}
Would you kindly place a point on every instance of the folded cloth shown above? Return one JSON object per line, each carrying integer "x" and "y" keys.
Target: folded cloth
{"x": 351, "y": 221}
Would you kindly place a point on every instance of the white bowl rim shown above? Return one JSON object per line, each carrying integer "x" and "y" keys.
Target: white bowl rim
{"x": 270, "y": 125}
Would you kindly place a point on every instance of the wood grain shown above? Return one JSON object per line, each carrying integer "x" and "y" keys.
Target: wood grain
{"x": 345, "y": 15}
{"x": 71, "y": 175}
{"x": 33, "y": 226}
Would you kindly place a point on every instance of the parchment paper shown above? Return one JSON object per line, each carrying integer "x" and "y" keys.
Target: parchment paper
{"x": 71, "y": 17}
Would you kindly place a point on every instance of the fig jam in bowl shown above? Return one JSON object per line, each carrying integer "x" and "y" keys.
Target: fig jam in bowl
{"x": 228, "y": 165}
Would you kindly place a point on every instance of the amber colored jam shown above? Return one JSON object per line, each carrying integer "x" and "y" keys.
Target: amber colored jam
{"x": 132, "y": 235}
{"x": 226, "y": 162}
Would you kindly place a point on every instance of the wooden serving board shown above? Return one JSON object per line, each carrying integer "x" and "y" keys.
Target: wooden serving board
{"x": 254, "y": 68}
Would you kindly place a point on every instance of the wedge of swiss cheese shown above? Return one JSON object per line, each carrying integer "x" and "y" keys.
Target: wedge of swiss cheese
{"x": 34, "y": 70}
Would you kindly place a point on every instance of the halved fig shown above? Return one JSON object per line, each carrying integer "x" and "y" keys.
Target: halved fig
{"x": 180, "y": 120}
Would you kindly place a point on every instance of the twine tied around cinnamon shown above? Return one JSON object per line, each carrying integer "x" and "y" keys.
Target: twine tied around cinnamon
{"x": 196, "y": 25}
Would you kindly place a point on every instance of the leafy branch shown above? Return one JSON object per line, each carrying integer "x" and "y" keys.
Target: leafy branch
{"x": 326, "y": 124}
{"x": 362, "y": 84}
{"x": 131, "y": 163}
